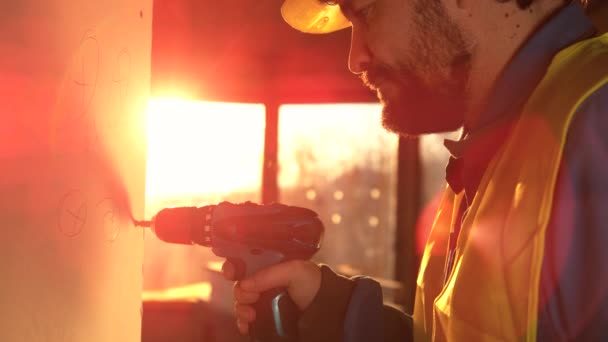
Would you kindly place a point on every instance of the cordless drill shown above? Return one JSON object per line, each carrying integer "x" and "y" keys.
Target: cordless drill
{"x": 251, "y": 237}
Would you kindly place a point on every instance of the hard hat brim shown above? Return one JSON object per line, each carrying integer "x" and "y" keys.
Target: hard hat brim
{"x": 312, "y": 16}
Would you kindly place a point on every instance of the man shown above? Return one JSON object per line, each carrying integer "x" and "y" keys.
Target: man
{"x": 518, "y": 248}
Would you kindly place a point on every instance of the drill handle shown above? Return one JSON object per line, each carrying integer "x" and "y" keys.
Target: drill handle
{"x": 276, "y": 318}
{"x": 276, "y": 314}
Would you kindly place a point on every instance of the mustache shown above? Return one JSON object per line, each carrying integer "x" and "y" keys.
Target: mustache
{"x": 376, "y": 74}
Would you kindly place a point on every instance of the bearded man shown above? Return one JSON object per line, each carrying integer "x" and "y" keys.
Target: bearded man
{"x": 518, "y": 248}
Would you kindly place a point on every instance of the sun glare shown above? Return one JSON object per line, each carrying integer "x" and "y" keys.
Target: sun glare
{"x": 203, "y": 148}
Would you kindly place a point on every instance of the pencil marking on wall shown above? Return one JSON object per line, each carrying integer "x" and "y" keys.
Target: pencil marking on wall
{"x": 119, "y": 89}
{"x": 109, "y": 214}
{"x": 72, "y": 213}
{"x": 76, "y": 126}
{"x": 87, "y": 80}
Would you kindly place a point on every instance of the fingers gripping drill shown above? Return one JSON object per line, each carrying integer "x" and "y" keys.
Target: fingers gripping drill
{"x": 251, "y": 237}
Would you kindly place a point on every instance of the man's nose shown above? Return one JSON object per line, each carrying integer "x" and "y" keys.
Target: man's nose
{"x": 359, "y": 57}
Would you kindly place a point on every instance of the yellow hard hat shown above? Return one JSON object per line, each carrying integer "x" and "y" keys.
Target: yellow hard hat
{"x": 313, "y": 16}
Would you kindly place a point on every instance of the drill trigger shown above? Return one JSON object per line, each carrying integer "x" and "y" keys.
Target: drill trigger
{"x": 240, "y": 268}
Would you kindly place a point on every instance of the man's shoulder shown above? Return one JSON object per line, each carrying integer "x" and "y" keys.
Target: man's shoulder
{"x": 592, "y": 113}
{"x": 587, "y": 142}
{"x": 574, "y": 238}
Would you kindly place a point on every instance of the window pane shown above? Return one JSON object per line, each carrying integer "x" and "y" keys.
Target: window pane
{"x": 340, "y": 162}
{"x": 199, "y": 153}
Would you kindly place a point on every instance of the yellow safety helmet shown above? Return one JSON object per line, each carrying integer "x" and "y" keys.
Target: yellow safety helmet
{"x": 313, "y": 16}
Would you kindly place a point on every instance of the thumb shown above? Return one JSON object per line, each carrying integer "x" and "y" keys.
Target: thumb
{"x": 302, "y": 279}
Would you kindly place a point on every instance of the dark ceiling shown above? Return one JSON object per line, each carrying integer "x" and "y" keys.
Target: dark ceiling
{"x": 241, "y": 50}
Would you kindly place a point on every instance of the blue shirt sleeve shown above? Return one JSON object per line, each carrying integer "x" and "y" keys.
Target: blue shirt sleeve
{"x": 369, "y": 319}
{"x": 573, "y": 292}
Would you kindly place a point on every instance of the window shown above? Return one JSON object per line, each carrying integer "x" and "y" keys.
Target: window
{"x": 199, "y": 153}
{"x": 335, "y": 159}
{"x": 340, "y": 162}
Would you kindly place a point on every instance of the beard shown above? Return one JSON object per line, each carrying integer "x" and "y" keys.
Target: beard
{"x": 426, "y": 91}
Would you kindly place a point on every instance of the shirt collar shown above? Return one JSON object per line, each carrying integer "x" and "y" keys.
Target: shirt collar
{"x": 512, "y": 90}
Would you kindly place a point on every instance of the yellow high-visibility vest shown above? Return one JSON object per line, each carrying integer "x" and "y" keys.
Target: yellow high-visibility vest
{"x": 491, "y": 293}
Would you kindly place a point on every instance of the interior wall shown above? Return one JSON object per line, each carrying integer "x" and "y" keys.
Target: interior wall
{"x": 74, "y": 83}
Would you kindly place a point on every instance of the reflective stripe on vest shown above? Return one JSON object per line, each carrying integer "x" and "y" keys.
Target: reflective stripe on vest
{"x": 492, "y": 292}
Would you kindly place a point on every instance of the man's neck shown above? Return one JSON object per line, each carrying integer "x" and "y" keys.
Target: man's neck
{"x": 500, "y": 31}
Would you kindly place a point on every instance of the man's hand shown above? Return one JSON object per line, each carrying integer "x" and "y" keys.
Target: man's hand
{"x": 301, "y": 278}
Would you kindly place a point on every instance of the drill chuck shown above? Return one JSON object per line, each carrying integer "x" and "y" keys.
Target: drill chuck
{"x": 184, "y": 225}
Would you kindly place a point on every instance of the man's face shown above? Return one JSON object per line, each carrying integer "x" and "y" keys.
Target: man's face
{"x": 417, "y": 60}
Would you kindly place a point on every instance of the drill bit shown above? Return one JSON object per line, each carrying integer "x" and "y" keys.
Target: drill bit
{"x": 145, "y": 224}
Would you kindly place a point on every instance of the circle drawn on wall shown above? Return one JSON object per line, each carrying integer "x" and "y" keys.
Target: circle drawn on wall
{"x": 110, "y": 216}
{"x": 119, "y": 91}
{"x": 86, "y": 73}
{"x": 75, "y": 124}
{"x": 72, "y": 213}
